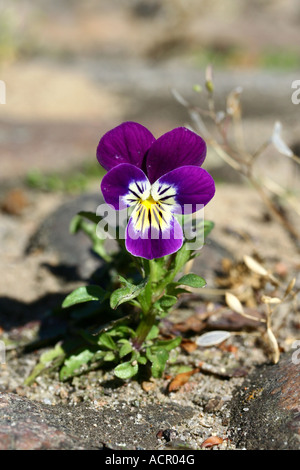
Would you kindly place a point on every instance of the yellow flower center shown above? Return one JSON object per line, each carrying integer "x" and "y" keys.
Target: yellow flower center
{"x": 148, "y": 203}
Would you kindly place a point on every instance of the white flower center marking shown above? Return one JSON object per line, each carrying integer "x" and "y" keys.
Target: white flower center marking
{"x": 153, "y": 205}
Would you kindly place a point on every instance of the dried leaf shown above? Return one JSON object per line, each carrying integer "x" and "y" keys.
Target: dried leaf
{"x": 188, "y": 345}
{"x": 272, "y": 341}
{"x": 212, "y": 441}
{"x": 15, "y": 202}
{"x": 181, "y": 379}
{"x": 212, "y": 338}
{"x": 255, "y": 266}
{"x": 278, "y": 142}
{"x": 289, "y": 287}
{"x": 178, "y": 97}
{"x": 270, "y": 300}
{"x": 192, "y": 323}
{"x": 233, "y": 106}
{"x": 234, "y": 303}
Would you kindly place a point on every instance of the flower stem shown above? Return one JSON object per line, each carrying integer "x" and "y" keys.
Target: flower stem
{"x": 143, "y": 329}
{"x": 148, "y": 317}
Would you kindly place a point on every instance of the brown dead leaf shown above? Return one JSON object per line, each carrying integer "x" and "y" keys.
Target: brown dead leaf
{"x": 193, "y": 323}
{"x": 181, "y": 379}
{"x": 212, "y": 441}
{"x": 15, "y": 202}
{"x": 188, "y": 345}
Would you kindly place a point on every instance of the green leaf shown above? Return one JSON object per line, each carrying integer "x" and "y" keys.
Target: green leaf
{"x": 109, "y": 356}
{"x": 168, "y": 344}
{"x": 126, "y": 370}
{"x": 208, "y": 226}
{"x": 165, "y": 302}
{"x": 106, "y": 340}
{"x": 182, "y": 257}
{"x": 142, "y": 360}
{"x": 90, "y": 229}
{"x": 192, "y": 280}
{"x": 125, "y": 330}
{"x": 158, "y": 357}
{"x": 49, "y": 360}
{"x": 74, "y": 363}
{"x": 75, "y": 224}
{"x": 84, "y": 294}
{"x": 125, "y": 349}
{"x": 173, "y": 290}
{"x": 153, "y": 333}
{"x": 91, "y": 216}
{"x": 145, "y": 298}
{"x": 125, "y": 294}
{"x": 48, "y": 356}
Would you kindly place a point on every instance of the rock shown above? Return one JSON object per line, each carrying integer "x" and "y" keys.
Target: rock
{"x": 29, "y": 425}
{"x": 74, "y": 252}
{"x": 265, "y": 411}
{"x": 25, "y": 425}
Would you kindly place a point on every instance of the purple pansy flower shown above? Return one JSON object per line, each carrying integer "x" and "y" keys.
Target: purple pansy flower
{"x": 157, "y": 178}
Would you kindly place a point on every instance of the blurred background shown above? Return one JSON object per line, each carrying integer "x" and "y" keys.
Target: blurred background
{"x": 74, "y": 69}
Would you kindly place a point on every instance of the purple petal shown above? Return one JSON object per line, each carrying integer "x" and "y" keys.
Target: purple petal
{"x": 126, "y": 143}
{"x": 174, "y": 149}
{"x": 154, "y": 244}
{"x": 193, "y": 186}
{"x": 115, "y": 185}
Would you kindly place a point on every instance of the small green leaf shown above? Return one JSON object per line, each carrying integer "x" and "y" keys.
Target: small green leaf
{"x": 48, "y": 356}
{"x": 168, "y": 344}
{"x": 109, "y": 356}
{"x": 124, "y": 294}
{"x": 142, "y": 360}
{"x": 192, "y": 280}
{"x": 125, "y": 349}
{"x": 126, "y": 370}
{"x": 84, "y": 294}
{"x": 173, "y": 290}
{"x": 73, "y": 364}
{"x": 75, "y": 224}
{"x": 90, "y": 216}
{"x": 125, "y": 330}
{"x": 106, "y": 340}
{"x": 90, "y": 229}
{"x": 182, "y": 257}
{"x": 165, "y": 302}
{"x": 48, "y": 361}
{"x": 153, "y": 333}
{"x": 208, "y": 226}
{"x": 158, "y": 357}
{"x": 145, "y": 297}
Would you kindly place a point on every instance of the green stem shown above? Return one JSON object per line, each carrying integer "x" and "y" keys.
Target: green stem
{"x": 143, "y": 329}
{"x": 148, "y": 317}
